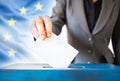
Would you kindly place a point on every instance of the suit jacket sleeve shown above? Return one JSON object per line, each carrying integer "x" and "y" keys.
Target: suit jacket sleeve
{"x": 58, "y": 16}
{"x": 116, "y": 41}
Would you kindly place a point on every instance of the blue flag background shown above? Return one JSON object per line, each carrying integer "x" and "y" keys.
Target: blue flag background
{"x": 16, "y": 17}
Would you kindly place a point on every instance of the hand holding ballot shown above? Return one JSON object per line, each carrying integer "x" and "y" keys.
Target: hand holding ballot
{"x": 42, "y": 27}
{"x": 52, "y": 50}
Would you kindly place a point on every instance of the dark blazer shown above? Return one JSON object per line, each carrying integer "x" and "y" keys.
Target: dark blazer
{"x": 92, "y": 47}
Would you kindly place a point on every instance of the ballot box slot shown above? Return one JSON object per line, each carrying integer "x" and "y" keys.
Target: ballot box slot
{"x": 76, "y": 67}
{"x": 47, "y": 66}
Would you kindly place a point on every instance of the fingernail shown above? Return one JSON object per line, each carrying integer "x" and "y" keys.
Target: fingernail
{"x": 48, "y": 34}
{"x": 42, "y": 37}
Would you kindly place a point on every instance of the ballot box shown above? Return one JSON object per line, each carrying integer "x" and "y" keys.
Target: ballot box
{"x": 75, "y": 72}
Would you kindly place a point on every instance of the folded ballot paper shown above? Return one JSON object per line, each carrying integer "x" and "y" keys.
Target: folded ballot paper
{"x": 55, "y": 51}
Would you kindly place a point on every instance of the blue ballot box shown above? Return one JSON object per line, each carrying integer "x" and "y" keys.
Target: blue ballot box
{"x": 75, "y": 72}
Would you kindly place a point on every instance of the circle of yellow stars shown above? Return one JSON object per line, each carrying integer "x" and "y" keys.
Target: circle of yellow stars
{"x": 23, "y": 11}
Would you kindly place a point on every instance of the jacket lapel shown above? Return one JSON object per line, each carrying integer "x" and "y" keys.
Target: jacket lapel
{"x": 80, "y": 16}
{"x": 106, "y": 10}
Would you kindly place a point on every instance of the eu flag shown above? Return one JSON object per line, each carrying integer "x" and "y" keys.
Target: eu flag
{"x": 16, "y": 16}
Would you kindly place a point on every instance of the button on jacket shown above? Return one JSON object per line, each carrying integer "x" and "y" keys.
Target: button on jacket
{"x": 92, "y": 45}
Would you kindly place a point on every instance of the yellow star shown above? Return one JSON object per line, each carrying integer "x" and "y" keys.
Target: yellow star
{"x": 7, "y": 37}
{"x": 38, "y": 6}
{"x": 23, "y": 10}
{"x": 12, "y": 22}
{"x": 11, "y": 52}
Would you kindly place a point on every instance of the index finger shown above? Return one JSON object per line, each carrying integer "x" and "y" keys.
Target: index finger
{"x": 41, "y": 28}
{"x": 48, "y": 26}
